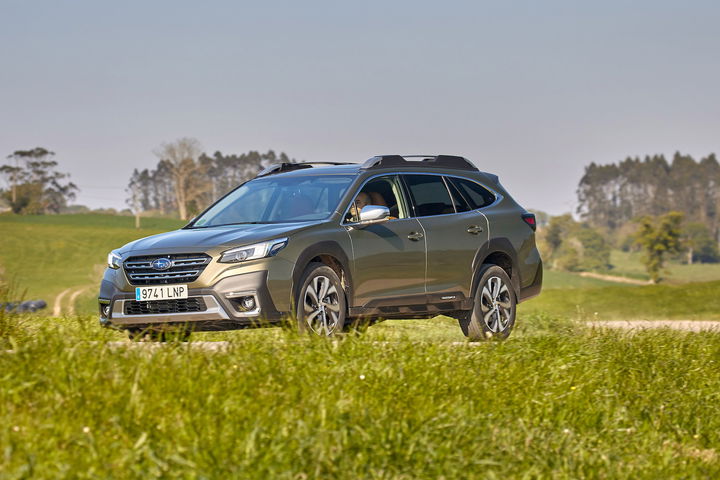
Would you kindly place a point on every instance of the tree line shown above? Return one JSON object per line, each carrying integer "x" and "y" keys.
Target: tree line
{"x": 664, "y": 209}
{"x": 185, "y": 180}
{"x": 610, "y": 196}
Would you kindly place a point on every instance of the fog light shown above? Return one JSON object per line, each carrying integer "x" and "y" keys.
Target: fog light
{"x": 248, "y": 303}
{"x": 106, "y": 310}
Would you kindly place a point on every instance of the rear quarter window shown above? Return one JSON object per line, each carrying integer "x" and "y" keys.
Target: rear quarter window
{"x": 477, "y": 195}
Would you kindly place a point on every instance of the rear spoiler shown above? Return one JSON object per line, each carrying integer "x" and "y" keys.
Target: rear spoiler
{"x": 492, "y": 177}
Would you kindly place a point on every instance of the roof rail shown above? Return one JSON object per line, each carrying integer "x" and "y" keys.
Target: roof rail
{"x": 433, "y": 161}
{"x": 289, "y": 167}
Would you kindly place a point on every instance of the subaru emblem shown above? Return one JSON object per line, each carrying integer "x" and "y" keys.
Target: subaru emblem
{"x": 161, "y": 264}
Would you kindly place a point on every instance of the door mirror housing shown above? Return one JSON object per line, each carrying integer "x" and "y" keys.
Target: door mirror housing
{"x": 371, "y": 214}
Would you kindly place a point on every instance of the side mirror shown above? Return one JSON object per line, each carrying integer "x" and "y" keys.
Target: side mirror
{"x": 371, "y": 214}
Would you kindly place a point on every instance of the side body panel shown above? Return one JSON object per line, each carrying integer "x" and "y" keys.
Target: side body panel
{"x": 451, "y": 249}
{"x": 387, "y": 264}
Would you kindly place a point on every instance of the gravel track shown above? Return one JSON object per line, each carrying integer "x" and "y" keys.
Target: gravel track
{"x": 687, "y": 325}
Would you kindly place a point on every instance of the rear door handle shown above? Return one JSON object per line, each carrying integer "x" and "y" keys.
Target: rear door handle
{"x": 415, "y": 236}
{"x": 474, "y": 229}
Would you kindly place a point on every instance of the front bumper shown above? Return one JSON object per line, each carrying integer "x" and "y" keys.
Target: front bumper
{"x": 221, "y": 308}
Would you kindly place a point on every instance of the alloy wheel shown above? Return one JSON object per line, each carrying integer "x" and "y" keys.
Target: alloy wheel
{"x": 321, "y": 306}
{"x": 496, "y": 304}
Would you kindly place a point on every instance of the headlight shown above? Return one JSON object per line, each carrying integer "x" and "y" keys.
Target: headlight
{"x": 113, "y": 260}
{"x": 253, "y": 252}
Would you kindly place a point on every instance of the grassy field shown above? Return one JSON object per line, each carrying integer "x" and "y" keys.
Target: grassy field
{"x": 554, "y": 401}
{"x": 689, "y": 301}
{"x": 46, "y": 254}
{"x": 553, "y": 279}
{"x": 628, "y": 264}
{"x": 409, "y": 399}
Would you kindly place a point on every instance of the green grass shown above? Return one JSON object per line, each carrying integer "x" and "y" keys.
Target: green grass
{"x": 94, "y": 220}
{"x": 409, "y": 399}
{"x": 554, "y": 401}
{"x": 688, "y": 301}
{"x": 628, "y": 264}
{"x": 553, "y": 279}
{"x": 46, "y": 254}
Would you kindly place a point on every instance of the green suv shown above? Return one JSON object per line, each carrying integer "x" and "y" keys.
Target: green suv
{"x": 332, "y": 246}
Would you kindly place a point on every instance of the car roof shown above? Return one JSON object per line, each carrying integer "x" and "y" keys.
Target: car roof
{"x": 355, "y": 169}
{"x": 432, "y": 164}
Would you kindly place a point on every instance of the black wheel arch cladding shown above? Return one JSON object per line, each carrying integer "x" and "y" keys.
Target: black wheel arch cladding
{"x": 320, "y": 249}
{"x": 497, "y": 248}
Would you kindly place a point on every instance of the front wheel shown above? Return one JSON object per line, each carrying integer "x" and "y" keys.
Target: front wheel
{"x": 493, "y": 313}
{"x": 321, "y": 306}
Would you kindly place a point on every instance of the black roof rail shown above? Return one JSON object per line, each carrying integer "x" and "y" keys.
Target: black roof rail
{"x": 433, "y": 161}
{"x": 289, "y": 167}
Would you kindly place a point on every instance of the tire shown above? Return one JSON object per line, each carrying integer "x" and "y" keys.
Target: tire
{"x": 321, "y": 305}
{"x": 493, "y": 313}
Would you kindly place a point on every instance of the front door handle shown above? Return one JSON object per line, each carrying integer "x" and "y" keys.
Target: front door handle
{"x": 415, "y": 236}
{"x": 474, "y": 229}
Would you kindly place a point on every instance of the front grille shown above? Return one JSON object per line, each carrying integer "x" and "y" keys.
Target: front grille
{"x": 185, "y": 268}
{"x": 181, "y": 305}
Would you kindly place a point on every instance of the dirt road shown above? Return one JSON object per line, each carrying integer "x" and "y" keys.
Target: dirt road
{"x": 687, "y": 325}
{"x": 69, "y": 305}
{"x": 614, "y": 278}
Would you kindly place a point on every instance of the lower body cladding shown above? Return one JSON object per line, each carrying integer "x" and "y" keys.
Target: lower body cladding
{"x": 241, "y": 301}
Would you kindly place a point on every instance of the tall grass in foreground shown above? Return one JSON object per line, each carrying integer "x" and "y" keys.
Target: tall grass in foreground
{"x": 554, "y": 400}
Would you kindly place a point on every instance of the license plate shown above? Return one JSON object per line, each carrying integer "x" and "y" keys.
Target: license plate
{"x": 145, "y": 294}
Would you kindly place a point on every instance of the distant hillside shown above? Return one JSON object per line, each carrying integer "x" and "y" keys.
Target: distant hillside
{"x": 45, "y": 255}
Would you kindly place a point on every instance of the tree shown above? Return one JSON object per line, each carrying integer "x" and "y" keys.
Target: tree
{"x": 189, "y": 186}
{"x": 595, "y": 250}
{"x": 180, "y": 158}
{"x": 572, "y": 246}
{"x": 700, "y": 244}
{"x": 135, "y": 189}
{"x": 35, "y": 184}
{"x": 659, "y": 237}
{"x": 558, "y": 229}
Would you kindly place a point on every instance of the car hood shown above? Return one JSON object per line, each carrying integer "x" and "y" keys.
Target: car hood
{"x": 201, "y": 239}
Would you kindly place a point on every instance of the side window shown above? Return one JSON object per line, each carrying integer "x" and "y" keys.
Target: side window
{"x": 476, "y": 194}
{"x": 429, "y": 195}
{"x": 382, "y": 191}
{"x": 459, "y": 201}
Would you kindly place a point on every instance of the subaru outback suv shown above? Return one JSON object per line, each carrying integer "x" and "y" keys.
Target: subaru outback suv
{"x": 333, "y": 246}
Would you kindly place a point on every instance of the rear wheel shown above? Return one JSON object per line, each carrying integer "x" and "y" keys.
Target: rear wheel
{"x": 321, "y": 306}
{"x": 493, "y": 313}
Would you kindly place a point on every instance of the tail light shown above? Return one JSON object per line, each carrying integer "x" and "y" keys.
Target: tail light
{"x": 529, "y": 218}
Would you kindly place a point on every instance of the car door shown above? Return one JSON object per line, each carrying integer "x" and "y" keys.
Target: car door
{"x": 453, "y": 234}
{"x": 388, "y": 265}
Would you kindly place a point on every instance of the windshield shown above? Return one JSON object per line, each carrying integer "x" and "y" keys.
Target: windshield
{"x": 281, "y": 199}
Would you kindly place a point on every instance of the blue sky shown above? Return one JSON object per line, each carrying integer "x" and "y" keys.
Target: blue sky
{"x": 532, "y": 91}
